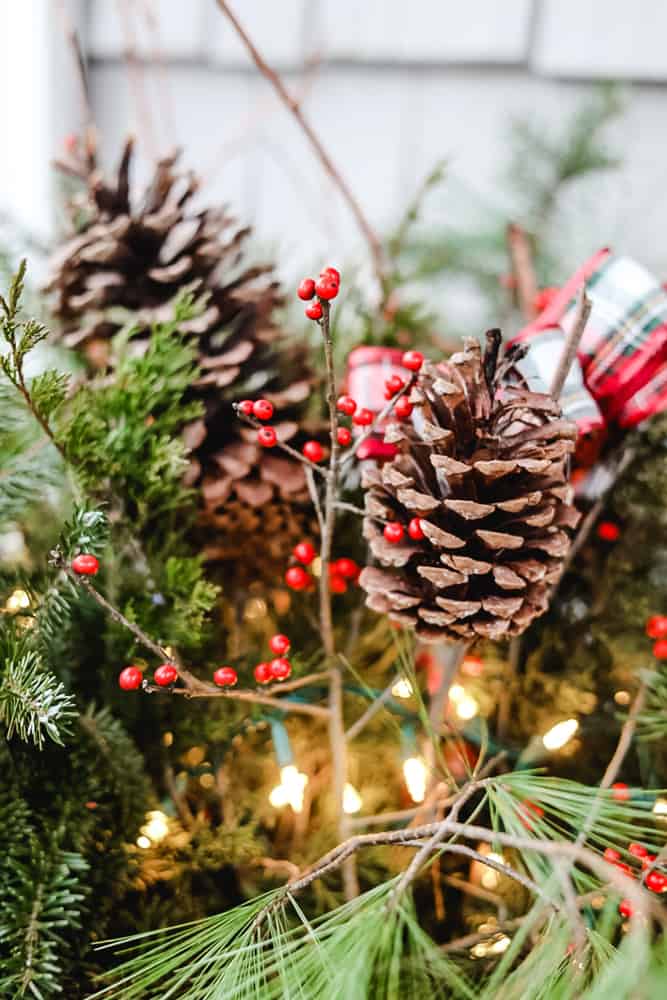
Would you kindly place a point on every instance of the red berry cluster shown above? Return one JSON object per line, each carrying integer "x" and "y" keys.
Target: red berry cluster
{"x": 325, "y": 288}
{"x": 656, "y": 628}
{"x": 394, "y": 531}
{"x": 260, "y": 409}
{"x": 131, "y": 678}
{"x": 341, "y": 571}
{"x": 654, "y": 880}
{"x": 278, "y": 669}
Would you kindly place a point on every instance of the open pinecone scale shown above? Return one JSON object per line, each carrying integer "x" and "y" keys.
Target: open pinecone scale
{"x": 483, "y": 463}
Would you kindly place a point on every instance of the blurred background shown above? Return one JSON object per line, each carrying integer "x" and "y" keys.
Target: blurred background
{"x": 391, "y": 88}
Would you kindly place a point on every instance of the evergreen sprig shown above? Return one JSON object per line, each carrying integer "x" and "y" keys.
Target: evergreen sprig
{"x": 33, "y": 702}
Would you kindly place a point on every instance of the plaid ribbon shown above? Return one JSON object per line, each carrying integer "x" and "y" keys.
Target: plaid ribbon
{"x": 623, "y": 352}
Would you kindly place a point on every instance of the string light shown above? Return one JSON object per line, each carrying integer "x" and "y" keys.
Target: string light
{"x": 660, "y": 807}
{"x": 415, "y": 772}
{"x": 465, "y": 706}
{"x": 290, "y": 790}
{"x": 351, "y": 800}
{"x": 560, "y": 734}
{"x": 622, "y": 697}
{"x": 143, "y": 842}
{"x": 17, "y": 601}
{"x": 490, "y": 877}
{"x": 207, "y": 781}
{"x": 157, "y": 827}
{"x": 496, "y": 946}
{"x": 402, "y": 688}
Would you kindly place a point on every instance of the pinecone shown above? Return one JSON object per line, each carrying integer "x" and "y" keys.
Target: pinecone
{"x": 129, "y": 260}
{"x": 483, "y": 462}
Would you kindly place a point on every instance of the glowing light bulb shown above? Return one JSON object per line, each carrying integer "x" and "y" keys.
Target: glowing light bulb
{"x": 290, "y": 790}
{"x": 622, "y": 697}
{"x": 467, "y": 707}
{"x": 143, "y": 842}
{"x": 414, "y": 772}
{"x": 402, "y": 688}
{"x": 500, "y": 945}
{"x": 157, "y": 827}
{"x": 490, "y": 877}
{"x": 17, "y": 601}
{"x": 660, "y": 807}
{"x": 351, "y": 799}
{"x": 560, "y": 734}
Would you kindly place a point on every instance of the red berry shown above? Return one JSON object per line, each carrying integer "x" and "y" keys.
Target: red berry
{"x": 620, "y": 791}
{"x": 393, "y": 531}
{"x": 306, "y": 289}
{"x": 656, "y": 627}
{"x": 660, "y": 649}
{"x": 313, "y": 450}
{"x": 225, "y": 677}
{"x": 304, "y": 552}
{"x": 363, "y": 418}
{"x": 245, "y": 406}
{"x": 415, "y": 529}
{"x": 344, "y": 436}
{"x": 611, "y": 855}
{"x": 337, "y": 584}
{"x": 346, "y": 405}
{"x": 637, "y": 850}
{"x": 656, "y": 882}
{"x": 297, "y": 578}
{"x": 403, "y": 408}
{"x": 85, "y": 565}
{"x": 130, "y": 678}
{"x": 262, "y": 409}
{"x": 165, "y": 674}
{"x": 413, "y": 360}
{"x": 622, "y": 867}
{"x": 267, "y": 437}
{"x": 625, "y": 908}
{"x": 327, "y": 288}
{"x": 279, "y": 644}
{"x": 314, "y": 311}
{"x": 608, "y": 531}
{"x": 394, "y": 384}
{"x": 263, "y": 673}
{"x": 331, "y": 272}
{"x": 347, "y": 568}
{"x": 388, "y": 394}
{"x": 280, "y": 669}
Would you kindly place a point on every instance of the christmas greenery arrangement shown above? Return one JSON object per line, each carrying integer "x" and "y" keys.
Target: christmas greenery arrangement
{"x": 336, "y": 685}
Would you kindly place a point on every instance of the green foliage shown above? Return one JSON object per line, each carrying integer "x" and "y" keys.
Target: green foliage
{"x": 33, "y": 703}
{"x": 123, "y": 437}
{"x": 40, "y": 902}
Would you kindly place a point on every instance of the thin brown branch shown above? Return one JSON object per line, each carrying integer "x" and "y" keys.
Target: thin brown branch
{"x": 20, "y": 384}
{"x": 203, "y": 690}
{"x": 371, "y": 711}
{"x": 374, "y": 244}
{"x": 584, "y": 307}
{"x": 315, "y": 498}
{"x": 313, "y": 466}
{"x": 79, "y": 62}
{"x": 613, "y": 767}
{"x": 382, "y": 415}
{"x": 336, "y": 721}
{"x": 523, "y": 269}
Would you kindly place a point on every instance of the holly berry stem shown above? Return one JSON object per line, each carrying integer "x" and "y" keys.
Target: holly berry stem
{"x": 381, "y": 416}
{"x": 253, "y": 422}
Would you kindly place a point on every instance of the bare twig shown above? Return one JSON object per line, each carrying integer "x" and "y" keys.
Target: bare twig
{"x": 351, "y": 508}
{"x": 313, "y": 466}
{"x": 613, "y": 767}
{"x": 374, "y": 244}
{"x": 371, "y": 711}
{"x": 584, "y": 307}
{"x": 315, "y": 497}
{"x": 79, "y": 63}
{"x": 523, "y": 269}
{"x": 382, "y": 415}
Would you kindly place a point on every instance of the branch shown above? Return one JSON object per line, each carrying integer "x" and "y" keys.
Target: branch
{"x": 382, "y": 415}
{"x": 523, "y": 269}
{"x": 371, "y": 711}
{"x": 374, "y": 244}
{"x": 584, "y": 307}
{"x": 313, "y": 466}
{"x": 203, "y": 690}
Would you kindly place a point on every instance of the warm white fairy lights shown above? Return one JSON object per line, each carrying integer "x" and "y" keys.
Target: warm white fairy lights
{"x": 415, "y": 774}
{"x": 560, "y": 734}
{"x": 17, "y": 601}
{"x": 154, "y": 829}
{"x": 290, "y": 790}
{"x": 402, "y": 688}
{"x": 351, "y": 800}
{"x": 465, "y": 706}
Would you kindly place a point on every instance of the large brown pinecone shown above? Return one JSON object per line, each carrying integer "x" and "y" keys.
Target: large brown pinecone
{"x": 483, "y": 462}
{"x": 129, "y": 259}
